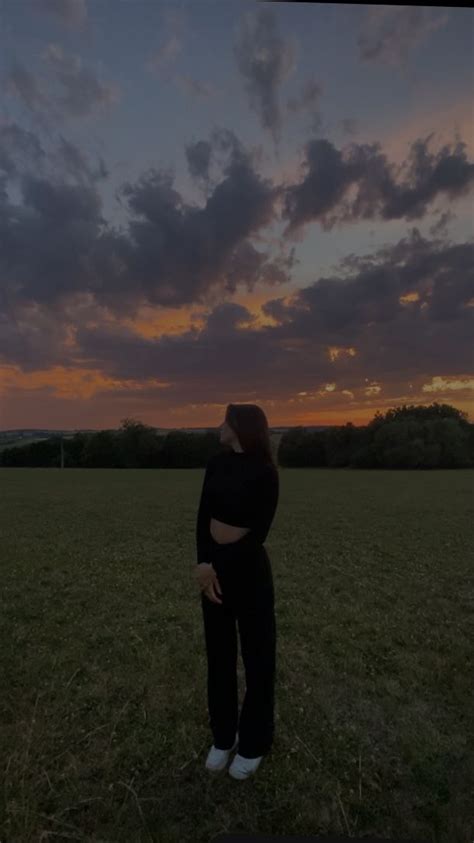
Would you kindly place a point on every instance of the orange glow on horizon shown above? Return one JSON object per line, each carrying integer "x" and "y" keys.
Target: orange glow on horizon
{"x": 71, "y": 384}
{"x": 36, "y": 396}
{"x": 33, "y": 399}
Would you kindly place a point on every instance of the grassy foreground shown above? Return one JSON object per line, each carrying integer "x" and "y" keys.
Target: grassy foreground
{"x": 104, "y": 726}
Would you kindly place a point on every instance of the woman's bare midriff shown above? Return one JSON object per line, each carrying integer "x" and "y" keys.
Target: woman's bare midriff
{"x": 224, "y": 533}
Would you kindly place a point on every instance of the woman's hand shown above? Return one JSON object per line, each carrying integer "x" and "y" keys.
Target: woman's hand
{"x": 208, "y": 582}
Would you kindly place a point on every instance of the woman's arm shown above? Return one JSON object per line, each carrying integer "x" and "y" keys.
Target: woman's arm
{"x": 266, "y": 495}
{"x": 203, "y": 543}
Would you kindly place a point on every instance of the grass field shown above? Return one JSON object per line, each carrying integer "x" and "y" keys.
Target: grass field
{"x": 104, "y": 724}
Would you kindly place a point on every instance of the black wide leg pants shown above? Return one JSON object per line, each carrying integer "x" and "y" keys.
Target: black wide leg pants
{"x": 245, "y": 576}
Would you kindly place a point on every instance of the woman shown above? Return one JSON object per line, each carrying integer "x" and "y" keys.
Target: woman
{"x": 238, "y": 502}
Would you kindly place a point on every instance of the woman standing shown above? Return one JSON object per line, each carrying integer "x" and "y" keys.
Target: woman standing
{"x": 238, "y": 502}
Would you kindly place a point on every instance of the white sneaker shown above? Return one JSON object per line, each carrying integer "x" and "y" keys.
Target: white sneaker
{"x": 242, "y": 768}
{"x": 218, "y": 758}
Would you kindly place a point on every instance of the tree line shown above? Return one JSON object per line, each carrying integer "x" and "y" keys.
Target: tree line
{"x": 410, "y": 436}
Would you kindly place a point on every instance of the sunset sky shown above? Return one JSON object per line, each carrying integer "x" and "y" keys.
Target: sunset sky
{"x": 242, "y": 201}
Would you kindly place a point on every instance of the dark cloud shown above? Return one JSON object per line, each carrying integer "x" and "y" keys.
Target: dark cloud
{"x": 442, "y": 275}
{"x": 309, "y": 95}
{"x": 83, "y": 92}
{"x": 306, "y": 102}
{"x": 391, "y": 33}
{"x": 349, "y": 125}
{"x": 359, "y": 308}
{"x": 248, "y": 265}
{"x": 20, "y": 150}
{"x": 69, "y": 159}
{"x": 330, "y": 174}
{"x": 198, "y": 156}
{"x": 57, "y": 244}
{"x": 64, "y": 272}
{"x": 175, "y": 36}
{"x": 32, "y": 337}
{"x": 225, "y": 319}
{"x": 24, "y": 86}
{"x": 179, "y": 252}
{"x": 441, "y": 225}
{"x": 222, "y": 148}
{"x": 48, "y": 242}
{"x": 394, "y": 343}
{"x": 265, "y": 59}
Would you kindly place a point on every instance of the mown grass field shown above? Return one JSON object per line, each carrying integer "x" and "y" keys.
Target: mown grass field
{"x": 104, "y": 724}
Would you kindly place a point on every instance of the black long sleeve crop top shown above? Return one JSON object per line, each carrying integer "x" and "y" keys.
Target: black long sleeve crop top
{"x": 239, "y": 490}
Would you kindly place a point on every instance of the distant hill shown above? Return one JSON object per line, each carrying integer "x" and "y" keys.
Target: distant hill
{"x": 25, "y": 436}
{"x": 40, "y": 432}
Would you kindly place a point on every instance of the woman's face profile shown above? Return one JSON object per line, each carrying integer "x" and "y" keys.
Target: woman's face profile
{"x": 225, "y": 431}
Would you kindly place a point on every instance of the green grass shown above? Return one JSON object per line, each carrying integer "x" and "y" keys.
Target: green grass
{"x": 104, "y": 725}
